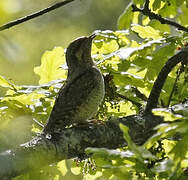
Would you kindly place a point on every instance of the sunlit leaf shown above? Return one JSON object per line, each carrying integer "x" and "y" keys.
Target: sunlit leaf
{"x": 169, "y": 9}
{"x": 125, "y": 18}
{"x": 62, "y": 167}
{"x": 156, "y": 5}
{"x": 163, "y": 166}
{"x": 106, "y": 48}
{"x": 112, "y": 154}
{"x": 166, "y": 113}
{"x": 5, "y": 83}
{"x": 146, "y": 32}
{"x": 180, "y": 150}
{"x": 50, "y": 66}
{"x": 141, "y": 2}
{"x": 181, "y": 109}
{"x": 26, "y": 99}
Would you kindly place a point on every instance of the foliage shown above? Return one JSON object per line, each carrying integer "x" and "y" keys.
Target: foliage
{"x": 130, "y": 59}
{"x": 21, "y": 46}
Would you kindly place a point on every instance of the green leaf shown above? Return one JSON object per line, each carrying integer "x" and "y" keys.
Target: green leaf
{"x": 146, "y": 32}
{"x": 164, "y": 166}
{"x": 169, "y": 9}
{"x": 141, "y": 2}
{"x": 110, "y": 154}
{"x": 26, "y": 99}
{"x": 106, "y": 47}
{"x": 125, "y": 53}
{"x": 128, "y": 79}
{"x": 5, "y": 83}
{"x": 50, "y": 66}
{"x": 180, "y": 2}
{"x": 183, "y": 18}
{"x": 125, "y": 18}
{"x": 154, "y": 66}
{"x": 180, "y": 150}
{"x": 181, "y": 109}
{"x": 139, "y": 151}
{"x": 131, "y": 145}
{"x": 156, "y": 5}
{"x": 163, "y": 28}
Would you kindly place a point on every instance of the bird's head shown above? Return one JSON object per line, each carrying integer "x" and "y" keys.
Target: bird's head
{"x": 78, "y": 54}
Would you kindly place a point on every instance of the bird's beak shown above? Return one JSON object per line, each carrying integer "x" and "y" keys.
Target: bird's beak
{"x": 89, "y": 39}
{"x": 92, "y": 36}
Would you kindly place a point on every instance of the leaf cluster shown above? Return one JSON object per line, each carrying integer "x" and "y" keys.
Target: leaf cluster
{"x": 130, "y": 60}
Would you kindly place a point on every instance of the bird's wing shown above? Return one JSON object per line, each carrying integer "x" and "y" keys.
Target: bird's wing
{"x": 73, "y": 95}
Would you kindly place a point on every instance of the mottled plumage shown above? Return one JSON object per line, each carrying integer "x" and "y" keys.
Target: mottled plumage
{"x": 79, "y": 98}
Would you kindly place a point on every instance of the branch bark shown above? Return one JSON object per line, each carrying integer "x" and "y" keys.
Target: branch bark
{"x": 34, "y": 15}
{"x": 152, "y": 102}
{"x": 72, "y": 142}
{"x": 147, "y": 12}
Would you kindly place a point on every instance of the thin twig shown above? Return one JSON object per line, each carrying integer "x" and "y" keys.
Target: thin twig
{"x": 174, "y": 86}
{"x": 38, "y": 123}
{"x": 147, "y": 12}
{"x": 139, "y": 94}
{"x": 152, "y": 102}
{"x": 34, "y": 15}
{"x": 146, "y": 5}
{"x": 126, "y": 98}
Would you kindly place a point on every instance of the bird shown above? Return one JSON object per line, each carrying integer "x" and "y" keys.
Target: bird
{"x": 79, "y": 98}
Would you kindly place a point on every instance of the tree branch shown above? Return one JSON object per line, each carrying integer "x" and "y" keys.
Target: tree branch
{"x": 147, "y": 12}
{"x": 34, "y": 15}
{"x": 128, "y": 99}
{"x": 146, "y": 5}
{"x": 152, "y": 102}
{"x": 179, "y": 71}
{"x": 72, "y": 142}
